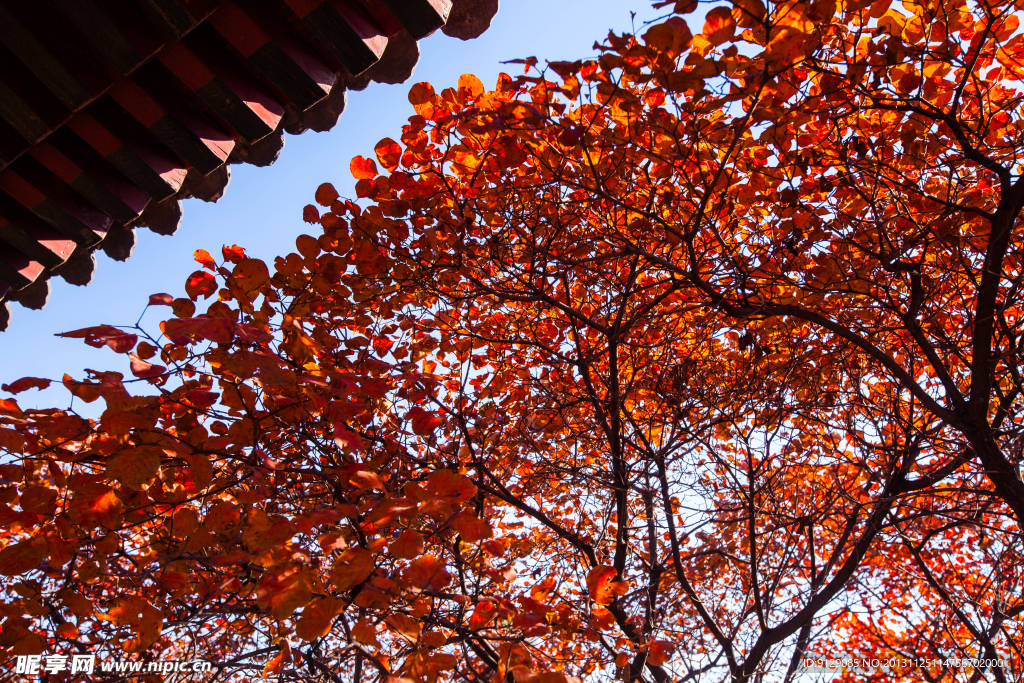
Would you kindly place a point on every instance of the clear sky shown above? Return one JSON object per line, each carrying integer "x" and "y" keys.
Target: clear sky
{"x": 262, "y": 207}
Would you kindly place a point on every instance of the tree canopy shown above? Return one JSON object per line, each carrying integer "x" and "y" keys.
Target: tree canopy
{"x": 679, "y": 363}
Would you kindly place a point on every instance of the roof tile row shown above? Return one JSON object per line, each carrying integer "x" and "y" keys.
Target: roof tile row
{"x": 113, "y": 111}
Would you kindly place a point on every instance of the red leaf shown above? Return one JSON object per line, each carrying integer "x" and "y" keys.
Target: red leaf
{"x": 421, "y": 93}
{"x": 423, "y": 423}
{"x": 325, "y": 194}
{"x": 87, "y": 391}
{"x": 471, "y": 85}
{"x": 351, "y": 568}
{"x": 660, "y": 652}
{"x": 144, "y": 370}
{"x": 483, "y": 613}
{"x": 363, "y": 168}
{"x": 22, "y": 557}
{"x": 719, "y": 25}
{"x": 602, "y": 586}
{"x": 250, "y": 274}
{"x": 184, "y": 330}
{"x": 160, "y": 299}
{"x": 382, "y": 345}
{"x": 201, "y": 398}
{"x": 104, "y": 335}
{"x": 388, "y": 154}
{"x": 204, "y": 259}
{"x": 200, "y": 283}
{"x": 26, "y": 383}
{"x": 408, "y": 546}
{"x": 8, "y": 406}
{"x": 390, "y": 508}
{"x": 365, "y": 480}
{"x": 311, "y": 214}
{"x": 252, "y": 335}
{"x": 346, "y": 438}
{"x": 427, "y": 573}
{"x": 234, "y": 253}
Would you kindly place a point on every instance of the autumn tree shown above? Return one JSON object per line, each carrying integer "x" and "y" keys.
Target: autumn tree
{"x": 679, "y": 363}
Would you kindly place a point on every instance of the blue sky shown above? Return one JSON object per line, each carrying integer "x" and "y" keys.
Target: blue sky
{"x": 262, "y": 207}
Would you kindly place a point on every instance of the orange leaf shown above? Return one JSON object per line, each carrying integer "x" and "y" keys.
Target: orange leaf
{"x": 447, "y": 484}
{"x": 364, "y": 632}
{"x": 133, "y": 467}
{"x": 422, "y": 98}
{"x": 234, "y": 253}
{"x": 471, "y": 85}
{"x": 389, "y": 153}
{"x": 427, "y": 573}
{"x": 318, "y": 617}
{"x": 671, "y": 37}
{"x": 719, "y": 25}
{"x": 145, "y": 621}
{"x": 405, "y": 626}
{"x": 203, "y": 258}
{"x": 8, "y": 406}
{"x": 388, "y": 509}
{"x": 351, "y": 568}
{"x": 660, "y": 652}
{"x": 87, "y": 391}
{"x": 421, "y": 92}
{"x": 95, "y": 504}
{"x": 366, "y": 480}
{"x": 67, "y": 630}
{"x": 22, "y": 557}
{"x": 471, "y": 529}
{"x": 283, "y": 591}
{"x": 277, "y": 662}
{"x": 423, "y": 423}
{"x": 602, "y": 586}
{"x": 363, "y": 168}
{"x": 407, "y": 546}
{"x": 250, "y": 274}
{"x": 482, "y": 615}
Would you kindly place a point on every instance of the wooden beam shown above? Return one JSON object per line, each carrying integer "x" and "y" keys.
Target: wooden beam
{"x": 102, "y": 33}
{"x": 16, "y": 269}
{"x": 22, "y": 118}
{"x": 420, "y": 17}
{"x": 239, "y": 100}
{"x": 129, "y": 195}
{"x": 345, "y": 29}
{"x": 194, "y": 141}
{"x": 41, "y": 62}
{"x": 92, "y": 189}
{"x": 40, "y": 244}
{"x": 132, "y": 151}
{"x": 12, "y": 145}
{"x": 55, "y": 204}
{"x": 177, "y": 18}
{"x": 289, "y": 66}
